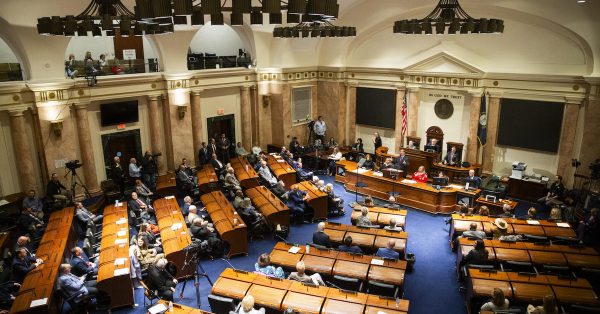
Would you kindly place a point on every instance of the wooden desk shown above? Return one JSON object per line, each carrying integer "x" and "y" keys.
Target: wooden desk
{"x": 274, "y": 210}
{"x": 530, "y": 293}
{"x": 230, "y": 288}
{"x": 166, "y": 184}
{"x": 174, "y": 234}
{"x": 114, "y": 257}
{"x": 417, "y": 195}
{"x": 515, "y": 226}
{"x": 332, "y": 306}
{"x": 54, "y": 247}
{"x": 207, "y": 179}
{"x": 267, "y": 296}
{"x": 455, "y": 174}
{"x": 351, "y": 269}
{"x": 583, "y": 261}
{"x": 368, "y": 238}
{"x": 416, "y": 157}
{"x": 388, "y": 303}
{"x": 381, "y": 215}
{"x": 182, "y": 309}
{"x": 303, "y": 303}
{"x": 318, "y": 264}
{"x": 244, "y": 172}
{"x": 525, "y": 190}
{"x": 281, "y": 169}
{"x": 496, "y": 207}
{"x": 484, "y": 287}
{"x": 571, "y": 295}
{"x": 223, "y": 214}
{"x": 317, "y": 199}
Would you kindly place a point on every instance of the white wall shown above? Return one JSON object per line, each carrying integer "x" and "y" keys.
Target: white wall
{"x": 227, "y": 99}
{"x": 6, "y": 54}
{"x": 537, "y": 162}
{"x": 220, "y": 39}
{"x": 96, "y": 45}
{"x": 367, "y": 134}
{"x": 9, "y": 180}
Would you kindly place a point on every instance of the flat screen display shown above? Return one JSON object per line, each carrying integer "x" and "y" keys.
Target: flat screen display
{"x": 376, "y": 107}
{"x": 119, "y": 112}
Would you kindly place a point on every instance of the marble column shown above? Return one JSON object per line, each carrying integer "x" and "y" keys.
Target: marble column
{"x": 246, "y": 110}
{"x": 255, "y": 113}
{"x": 472, "y": 141}
{"x": 493, "y": 115}
{"x": 196, "y": 123}
{"x": 85, "y": 147}
{"x": 168, "y": 155}
{"x": 22, "y": 150}
{"x": 413, "y": 110}
{"x": 400, "y": 96}
{"x": 566, "y": 149}
{"x": 352, "y": 113}
{"x": 39, "y": 143}
{"x": 156, "y": 138}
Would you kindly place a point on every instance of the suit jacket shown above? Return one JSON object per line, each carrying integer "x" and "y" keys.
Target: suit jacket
{"x": 402, "y": 162}
{"x": 79, "y": 267}
{"x": 203, "y": 156}
{"x": 218, "y": 167}
{"x": 21, "y": 267}
{"x": 477, "y": 257}
{"x": 378, "y": 142}
{"x": 224, "y": 142}
{"x": 83, "y": 215}
{"x": 71, "y": 284}
{"x": 350, "y": 249}
{"x": 474, "y": 181}
{"x": 358, "y": 147}
{"x": 159, "y": 279}
{"x": 135, "y": 206}
{"x": 387, "y": 253}
{"x": 296, "y": 197}
{"x": 117, "y": 173}
{"x": 54, "y": 187}
{"x": 321, "y": 238}
{"x": 452, "y": 159}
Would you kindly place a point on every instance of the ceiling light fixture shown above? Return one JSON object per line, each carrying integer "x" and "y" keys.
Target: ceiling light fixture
{"x": 449, "y": 14}
{"x": 314, "y": 19}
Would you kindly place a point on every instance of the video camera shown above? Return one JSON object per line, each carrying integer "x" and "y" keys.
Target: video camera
{"x": 73, "y": 164}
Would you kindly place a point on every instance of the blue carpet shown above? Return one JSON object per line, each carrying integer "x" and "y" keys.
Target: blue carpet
{"x": 432, "y": 286}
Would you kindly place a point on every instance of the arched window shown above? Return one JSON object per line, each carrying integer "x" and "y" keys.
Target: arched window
{"x": 218, "y": 46}
{"x": 10, "y": 68}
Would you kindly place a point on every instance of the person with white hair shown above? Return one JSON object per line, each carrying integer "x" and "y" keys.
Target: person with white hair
{"x": 335, "y": 203}
{"x": 266, "y": 174}
{"x": 363, "y": 220}
{"x": 300, "y": 275}
{"x": 320, "y": 237}
{"x": 161, "y": 280}
{"x": 193, "y": 213}
{"x": 247, "y": 306}
{"x": 230, "y": 180}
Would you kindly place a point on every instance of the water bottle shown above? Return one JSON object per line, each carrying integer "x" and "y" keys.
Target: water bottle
{"x": 116, "y": 203}
{"x": 170, "y": 306}
{"x": 307, "y": 248}
{"x": 397, "y": 303}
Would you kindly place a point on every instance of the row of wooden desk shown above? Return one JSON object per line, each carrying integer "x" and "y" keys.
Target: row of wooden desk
{"x": 551, "y": 254}
{"x": 530, "y": 288}
{"x": 280, "y": 294}
{"x": 174, "y": 234}
{"x": 36, "y": 294}
{"x": 281, "y": 169}
{"x": 417, "y": 195}
{"x": 207, "y": 179}
{"x": 274, "y": 210}
{"x": 381, "y": 215}
{"x": 166, "y": 184}
{"x": 244, "y": 172}
{"x": 181, "y": 309}
{"x": 515, "y": 226}
{"x": 367, "y": 238}
{"x": 317, "y": 199}
{"x": 227, "y": 222}
{"x": 114, "y": 276}
{"x": 330, "y": 262}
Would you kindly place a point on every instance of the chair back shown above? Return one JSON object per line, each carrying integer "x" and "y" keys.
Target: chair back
{"x": 149, "y": 293}
{"x": 345, "y": 283}
{"x": 379, "y": 288}
{"x": 219, "y": 304}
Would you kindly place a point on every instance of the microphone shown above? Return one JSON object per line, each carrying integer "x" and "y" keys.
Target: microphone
{"x": 331, "y": 284}
{"x": 282, "y": 239}
{"x": 234, "y": 269}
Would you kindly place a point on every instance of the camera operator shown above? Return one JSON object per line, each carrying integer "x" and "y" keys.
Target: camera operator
{"x": 149, "y": 170}
{"x": 320, "y": 128}
{"x": 57, "y": 191}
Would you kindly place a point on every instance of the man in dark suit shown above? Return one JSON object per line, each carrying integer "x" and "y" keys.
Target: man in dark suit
{"x": 296, "y": 199}
{"x": 452, "y": 157}
{"x": 348, "y": 247}
{"x": 118, "y": 175}
{"x": 160, "y": 280}
{"x": 217, "y": 164}
{"x": 377, "y": 142}
{"x": 320, "y": 237}
{"x": 224, "y": 145}
{"x": 473, "y": 180}
{"x": 203, "y": 156}
{"x": 79, "y": 266}
{"x": 388, "y": 252}
{"x": 23, "y": 264}
{"x": 212, "y": 147}
{"x": 401, "y": 162}
{"x": 29, "y": 223}
{"x": 23, "y": 242}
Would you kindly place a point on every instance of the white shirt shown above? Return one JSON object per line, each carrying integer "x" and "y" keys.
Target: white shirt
{"x": 320, "y": 127}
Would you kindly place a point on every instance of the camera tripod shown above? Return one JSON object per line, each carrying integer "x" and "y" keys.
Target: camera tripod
{"x": 74, "y": 181}
{"x": 192, "y": 260}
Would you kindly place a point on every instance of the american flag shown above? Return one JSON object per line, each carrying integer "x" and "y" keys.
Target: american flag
{"x": 404, "y": 116}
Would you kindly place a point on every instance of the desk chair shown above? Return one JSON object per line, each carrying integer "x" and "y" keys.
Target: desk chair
{"x": 149, "y": 294}
{"x": 76, "y": 307}
{"x": 220, "y": 304}
{"x": 465, "y": 269}
{"x": 515, "y": 266}
{"x": 345, "y": 283}
{"x": 565, "y": 240}
{"x": 580, "y": 309}
{"x": 561, "y": 271}
{"x": 384, "y": 289}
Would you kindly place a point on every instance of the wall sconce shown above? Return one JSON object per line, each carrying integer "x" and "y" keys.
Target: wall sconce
{"x": 266, "y": 100}
{"x": 56, "y": 127}
{"x": 181, "y": 110}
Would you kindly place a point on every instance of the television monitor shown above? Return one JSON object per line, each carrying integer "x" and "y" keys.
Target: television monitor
{"x": 376, "y": 107}
{"x": 119, "y": 112}
{"x": 443, "y": 181}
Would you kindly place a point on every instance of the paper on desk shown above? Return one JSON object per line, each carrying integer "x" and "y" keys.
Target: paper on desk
{"x": 120, "y": 241}
{"x": 39, "y": 302}
{"x": 563, "y": 224}
{"x": 408, "y": 181}
{"x": 280, "y": 160}
{"x": 121, "y": 271}
{"x": 458, "y": 187}
{"x": 176, "y": 226}
{"x": 121, "y": 221}
{"x": 170, "y": 197}
{"x": 377, "y": 262}
{"x": 121, "y": 233}
{"x": 378, "y": 174}
{"x": 294, "y": 249}
{"x": 157, "y": 309}
{"x": 120, "y": 261}
{"x": 533, "y": 222}
{"x": 381, "y": 312}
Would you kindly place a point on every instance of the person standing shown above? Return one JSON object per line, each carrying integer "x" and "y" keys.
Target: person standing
{"x": 402, "y": 161}
{"x": 149, "y": 171}
{"x": 320, "y": 128}
{"x": 224, "y": 145}
{"x": 377, "y": 141}
{"x": 118, "y": 175}
{"x": 135, "y": 171}
{"x": 203, "y": 156}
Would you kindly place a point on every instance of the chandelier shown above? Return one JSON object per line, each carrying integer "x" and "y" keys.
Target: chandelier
{"x": 449, "y": 14}
{"x": 313, "y": 18}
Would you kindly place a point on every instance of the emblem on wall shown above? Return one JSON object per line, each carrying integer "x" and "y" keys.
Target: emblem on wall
{"x": 443, "y": 108}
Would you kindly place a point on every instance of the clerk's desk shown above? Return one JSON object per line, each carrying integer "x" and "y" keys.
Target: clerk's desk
{"x": 279, "y": 294}
{"x": 417, "y": 195}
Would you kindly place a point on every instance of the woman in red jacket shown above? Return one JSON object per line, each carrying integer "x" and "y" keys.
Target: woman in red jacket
{"x": 420, "y": 175}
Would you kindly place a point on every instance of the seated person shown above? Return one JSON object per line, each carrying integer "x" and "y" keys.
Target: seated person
{"x": 332, "y": 142}
{"x": 335, "y": 203}
{"x": 29, "y": 223}
{"x": 251, "y": 217}
{"x": 388, "y": 164}
{"x": 187, "y": 202}
{"x": 300, "y": 275}
{"x": 444, "y": 176}
{"x": 161, "y": 280}
{"x": 295, "y": 146}
{"x": 388, "y": 251}
{"x": 303, "y": 174}
{"x": 279, "y": 190}
{"x": 56, "y": 190}
{"x": 393, "y": 226}
{"x": 266, "y": 174}
{"x": 263, "y": 267}
{"x": 35, "y": 203}
{"x": 411, "y": 145}
{"x": 193, "y": 213}
{"x": 531, "y": 214}
{"x": 148, "y": 236}
{"x": 348, "y": 247}
{"x": 473, "y": 232}
{"x": 498, "y": 302}
{"x": 296, "y": 202}
{"x": 186, "y": 182}
{"x": 589, "y": 225}
{"x": 358, "y": 146}
{"x": 239, "y": 198}
{"x": 240, "y": 150}
{"x": 84, "y": 216}
{"x": 247, "y": 306}
{"x": 556, "y": 193}
{"x": 320, "y": 237}
{"x": 478, "y": 255}
{"x": 24, "y": 242}
{"x": 218, "y": 165}
{"x": 483, "y": 211}
{"x": 451, "y": 158}
{"x": 143, "y": 191}
{"x": 23, "y": 264}
{"x": 335, "y": 156}
{"x": 473, "y": 180}
{"x": 506, "y": 211}
{"x": 548, "y": 306}
{"x": 80, "y": 266}
{"x": 230, "y": 180}
{"x": 368, "y": 164}
{"x": 363, "y": 220}
{"x": 555, "y": 214}
{"x": 145, "y": 255}
{"x": 73, "y": 285}
{"x": 203, "y": 231}
{"x": 420, "y": 175}
{"x": 500, "y": 231}
{"x": 433, "y": 143}
{"x": 137, "y": 205}
{"x": 369, "y": 201}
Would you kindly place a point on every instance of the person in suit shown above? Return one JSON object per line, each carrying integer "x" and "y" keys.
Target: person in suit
{"x": 358, "y": 146}
{"x": 451, "y": 158}
{"x": 473, "y": 180}
{"x": 84, "y": 215}
{"x": 478, "y": 255}
{"x": 434, "y": 145}
{"x": 185, "y": 209}
{"x": 388, "y": 251}
{"x": 320, "y": 237}
{"x": 149, "y": 168}
{"x": 203, "y": 156}
{"x": 29, "y": 223}
{"x": 401, "y": 161}
{"x": 224, "y": 145}
{"x": 161, "y": 280}
{"x": 217, "y": 164}
{"x": 79, "y": 266}
{"x": 23, "y": 264}
{"x": 266, "y": 174}
{"x": 295, "y": 146}
{"x": 230, "y": 180}
{"x": 24, "y": 242}
{"x": 212, "y": 148}
{"x": 296, "y": 200}
{"x": 72, "y": 284}
{"x": 348, "y": 247}
{"x": 118, "y": 175}
{"x": 473, "y": 232}
{"x": 377, "y": 142}
{"x": 368, "y": 164}
{"x": 202, "y": 231}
